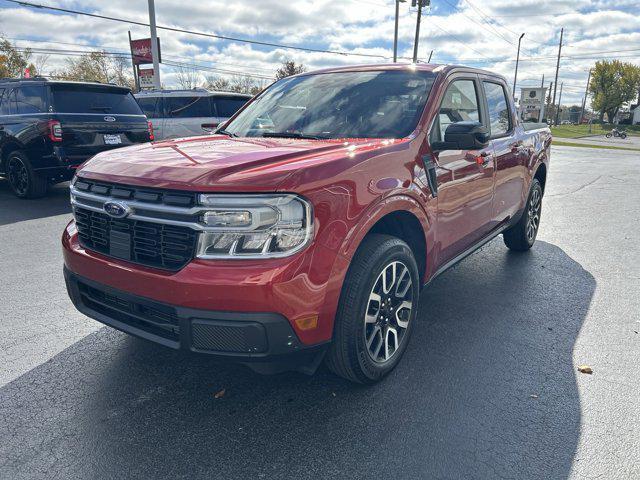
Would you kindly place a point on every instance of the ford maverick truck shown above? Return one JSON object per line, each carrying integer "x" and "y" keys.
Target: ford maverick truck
{"x": 304, "y": 229}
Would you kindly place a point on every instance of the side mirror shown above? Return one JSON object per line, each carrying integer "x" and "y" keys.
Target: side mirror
{"x": 464, "y": 136}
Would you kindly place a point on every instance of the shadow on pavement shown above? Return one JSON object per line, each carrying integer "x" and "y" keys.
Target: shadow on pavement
{"x": 13, "y": 209}
{"x": 487, "y": 389}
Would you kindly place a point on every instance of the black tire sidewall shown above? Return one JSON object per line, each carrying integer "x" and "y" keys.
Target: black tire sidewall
{"x": 395, "y": 251}
{"x": 525, "y": 217}
{"x": 37, "y": 185}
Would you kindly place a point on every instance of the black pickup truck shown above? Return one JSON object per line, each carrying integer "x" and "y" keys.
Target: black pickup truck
{"x": 48, "y": 128}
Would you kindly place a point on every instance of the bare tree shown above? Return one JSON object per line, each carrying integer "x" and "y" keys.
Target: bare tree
{"x": 219, "y": 84}
{"x": 188, "y": 78}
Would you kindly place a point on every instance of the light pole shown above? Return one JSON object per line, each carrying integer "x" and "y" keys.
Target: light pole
{"x": 154, "y": 44}
{"x": 515, "y": 77}
{"x": 395, "y": 36}
{"x": 420, "y": 4}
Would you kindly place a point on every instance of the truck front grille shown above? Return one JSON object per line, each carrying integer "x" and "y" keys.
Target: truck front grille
{"x": 152, "y": 244}
{"x": 159, "y": 230}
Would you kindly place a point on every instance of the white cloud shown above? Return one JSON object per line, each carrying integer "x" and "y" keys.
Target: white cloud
{"x": 477, "y": 33}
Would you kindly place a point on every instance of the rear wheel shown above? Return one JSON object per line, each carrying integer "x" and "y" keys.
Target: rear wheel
{"x": 23, "y": 180}
{"x": 523, "y": 234}
{"x": 608, "y": 135}
{"x": 377, "y": 310}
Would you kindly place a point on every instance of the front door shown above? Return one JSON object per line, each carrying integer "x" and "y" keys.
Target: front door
{"x": 465, "y": 177}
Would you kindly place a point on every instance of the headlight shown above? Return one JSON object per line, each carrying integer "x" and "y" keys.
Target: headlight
{"x": 254, "y": 226}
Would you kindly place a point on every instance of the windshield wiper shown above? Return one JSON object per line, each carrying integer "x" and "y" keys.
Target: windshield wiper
{"x": 293, "y": 135}
{"x": 225, "y": 132}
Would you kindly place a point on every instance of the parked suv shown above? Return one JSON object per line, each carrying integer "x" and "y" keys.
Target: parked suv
{"x": 308, "y": 225}
{"x": 48, "y": 128}
{"x": 185, "y": 113}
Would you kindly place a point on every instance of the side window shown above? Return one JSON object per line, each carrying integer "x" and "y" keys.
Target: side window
{"x": 499, "y": 115}
{"x": 188, "y": 107}
{"x": 7, "y": 107}
{"x": 459, "y": 104}
{"x": 149, "y": 106}
{"x": 227, "y": 106}
{"x": 30, "y": 99}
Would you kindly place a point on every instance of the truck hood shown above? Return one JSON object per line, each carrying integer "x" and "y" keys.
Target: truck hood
{"x": 217, "y": 162}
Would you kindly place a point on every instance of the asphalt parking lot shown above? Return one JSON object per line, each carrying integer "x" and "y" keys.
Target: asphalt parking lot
{"x": 488, "y": 388}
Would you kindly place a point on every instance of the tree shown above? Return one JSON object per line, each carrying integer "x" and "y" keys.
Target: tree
{"x": 613, "y": 83}
{"x": 188, "y": 78}
{"x": 13, "y": 62}
{"x": 289, "y": 68}
{"x": 238, "y": 84}
{"x": 98, "y": 67}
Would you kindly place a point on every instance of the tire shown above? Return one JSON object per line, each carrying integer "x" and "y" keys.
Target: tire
{"x": 522, "y": 235}
{"x": 23, "y": 180}
{"x": 608, "y": 135}
{"x": 362, "y": 317}
{"x": 623, "y": 136}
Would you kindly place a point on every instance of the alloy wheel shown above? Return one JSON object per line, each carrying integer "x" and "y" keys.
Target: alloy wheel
{"x": 18, "y": 175}
{"x": 533, "y": 216}
{"x": 388, "y": 312}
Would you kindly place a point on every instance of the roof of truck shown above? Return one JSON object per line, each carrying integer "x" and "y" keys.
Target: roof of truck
{"x": 428, "y": 67}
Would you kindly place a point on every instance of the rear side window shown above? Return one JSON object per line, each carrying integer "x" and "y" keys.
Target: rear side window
{"x": 227, "y": 106}
{"x": 150, "y": 106}
{"x": 499, "y": 115}
{"x": 8, "y": 104}
{"x": 30, "y": 99}
{"x": 188, "y": 107}
{"x": 459, "y": 104}
{"x": 71, "y": 99}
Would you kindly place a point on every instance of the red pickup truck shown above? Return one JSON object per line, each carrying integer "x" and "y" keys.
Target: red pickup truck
{"x": 305, "y": 228}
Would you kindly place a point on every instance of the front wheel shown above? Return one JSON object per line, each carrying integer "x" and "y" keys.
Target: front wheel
{"x": 522, "y": 235}
{"x": 623, "y": 136}
{"x": 377, "y": 309}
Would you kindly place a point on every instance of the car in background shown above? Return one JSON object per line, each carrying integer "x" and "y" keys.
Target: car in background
{"x": 48, "y": 128}
{"x": 185, "y": 113}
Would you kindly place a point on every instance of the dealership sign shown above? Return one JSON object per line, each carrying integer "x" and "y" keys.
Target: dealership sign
{"x": 146, "y": 76}
{"x": 141, "y": 51}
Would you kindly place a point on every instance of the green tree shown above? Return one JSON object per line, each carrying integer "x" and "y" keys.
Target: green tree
{"x": 98, "y": 67}
{"x": 613, "y": 84}
{"x": 288, "y": 68}
{"x": 13, "y": 61}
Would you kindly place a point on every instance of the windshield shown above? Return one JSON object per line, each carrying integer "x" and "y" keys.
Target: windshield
{"x": 72, "y": 99}
{"x": 375, "y": 104}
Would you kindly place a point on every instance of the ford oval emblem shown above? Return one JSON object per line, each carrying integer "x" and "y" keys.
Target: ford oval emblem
{"x": 117, "y": 209}
{"x": 109, "y": 118}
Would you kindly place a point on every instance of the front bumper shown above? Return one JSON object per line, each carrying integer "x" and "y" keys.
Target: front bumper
{"x": 242, "y": 337}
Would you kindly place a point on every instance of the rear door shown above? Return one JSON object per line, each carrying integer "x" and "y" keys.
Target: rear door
{"x": 187, "y": 115}
{"x": 465, "y": 184}
{"x": 510, "y": 153}
{"x": 97, "y": 118}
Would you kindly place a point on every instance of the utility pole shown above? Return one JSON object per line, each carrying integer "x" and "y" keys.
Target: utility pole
{"x": 557, "y": 67}
{"x": 420, "y": 4}
{"x": 154, "y": 44}
{"x": 430, "y": 55}
{"x": 133, "y": 63}
{"x": 515, "y": 77}
{"x": 584, "y": 100}
{"x": 542, "y": 83}
{"x": 549, "y": 98}
{"x": 559, "y": 103}
{"x": 395, "y": 36}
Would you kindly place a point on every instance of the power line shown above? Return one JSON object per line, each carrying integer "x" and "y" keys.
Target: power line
{"x": 193, "y": 32}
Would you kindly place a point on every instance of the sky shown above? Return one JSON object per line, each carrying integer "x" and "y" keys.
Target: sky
{"x": 470, "y": 32}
